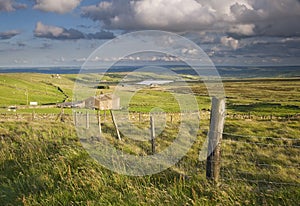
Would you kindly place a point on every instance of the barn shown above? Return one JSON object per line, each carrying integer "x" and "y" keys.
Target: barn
{"x": 103, "y": 102}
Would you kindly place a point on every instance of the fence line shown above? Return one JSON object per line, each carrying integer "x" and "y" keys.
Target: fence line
{"x": 259, "y": 164}
{"x": 251, "y": 136}
{"x": 263, "y": 182}
{"x": 260, "y": 137}
{"x": 203, "y": 114}
{"x": 141, "y": 117}
{"x": 263, "y": 144}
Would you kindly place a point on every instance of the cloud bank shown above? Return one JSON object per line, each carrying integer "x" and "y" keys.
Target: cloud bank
{"x": 57, "y": 6}
{"x": 9, "y": 34}
{"x": 60, "y": 33}
{"x": 54, "y": 32}
{"x": 239, "y": 18}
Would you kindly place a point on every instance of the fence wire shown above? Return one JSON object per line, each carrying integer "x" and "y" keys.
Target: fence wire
{"x": 265, "y": 172}
{"x": 292, "y": 144}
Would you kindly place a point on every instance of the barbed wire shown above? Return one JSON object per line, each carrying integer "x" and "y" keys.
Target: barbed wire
{"x": 263, "y": 144}
{"x": 262, "y": 182}
{"x": 260, "y": 137}
{"x": 259, "y": 164}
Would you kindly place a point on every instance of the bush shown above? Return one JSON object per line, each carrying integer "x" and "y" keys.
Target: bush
{"x": 102, "y": 87}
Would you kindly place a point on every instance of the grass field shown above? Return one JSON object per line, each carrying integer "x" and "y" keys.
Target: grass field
{"x": 41, "y": 88}
{"x": 42, "y": 162}
{"x": 261, "y": 96}
{"x": 48, "y": 166}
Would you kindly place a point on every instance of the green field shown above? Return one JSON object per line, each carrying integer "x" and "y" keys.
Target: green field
{"x": 39, "y": 88}
{"x": 43, "y": 162}
{"x": 259, "y": 96}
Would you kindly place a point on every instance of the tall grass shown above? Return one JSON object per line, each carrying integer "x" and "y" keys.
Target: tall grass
{"x": 46, "y": 165}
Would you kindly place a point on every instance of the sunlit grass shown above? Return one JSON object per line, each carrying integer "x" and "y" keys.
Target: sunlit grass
{"x": 47, "y": 165}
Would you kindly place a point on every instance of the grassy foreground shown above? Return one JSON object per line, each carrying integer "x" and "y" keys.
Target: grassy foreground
{"x": 47, "y": 166}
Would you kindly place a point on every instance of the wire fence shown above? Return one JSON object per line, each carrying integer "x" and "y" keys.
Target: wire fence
{"x": 249, "y": 158}
{"x": 145, "y": 116}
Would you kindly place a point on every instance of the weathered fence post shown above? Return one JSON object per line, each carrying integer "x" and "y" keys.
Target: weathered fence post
{"x": 217, "y": 118}
{"x": 99, "y": 121}
{"x": 87, "y": 120}
{"x": 152, "y": 131}
{"x": 115, "y": 124}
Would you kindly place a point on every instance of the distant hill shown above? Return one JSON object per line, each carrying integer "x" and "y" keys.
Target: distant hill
{"x": 224, "y": 71}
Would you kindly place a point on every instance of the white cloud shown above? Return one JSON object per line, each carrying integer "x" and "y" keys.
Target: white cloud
{"x": 57, "y": 6}
{"x": 10, "y": 5}
{"x": 54, "y": 32}
{"x": 235, "y": 17}
{"x": 230, "y": 42}
{"x": 176, "y": 15}
{"x": 60, "y": 33}
{"x": 242, "y": 29}
{"x": 42, "y": 30}
{"x": 189, "y": 52}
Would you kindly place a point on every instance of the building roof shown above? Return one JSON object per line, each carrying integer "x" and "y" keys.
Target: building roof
{"x": 102, "y": 97}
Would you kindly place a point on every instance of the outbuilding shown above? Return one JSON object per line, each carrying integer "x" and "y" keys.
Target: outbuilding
{"x": 103, "y": 102}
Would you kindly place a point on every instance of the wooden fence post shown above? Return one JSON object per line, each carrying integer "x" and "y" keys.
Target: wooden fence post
{"x": 152, "y": 131}
{"x": 87, "y": 120}
{"x": 217, "y": 118}
{"x": 99, "y": 121}
{"x": 115, "y": 124}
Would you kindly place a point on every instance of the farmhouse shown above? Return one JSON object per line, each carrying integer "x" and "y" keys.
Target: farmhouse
{"x": 103, "y": 102}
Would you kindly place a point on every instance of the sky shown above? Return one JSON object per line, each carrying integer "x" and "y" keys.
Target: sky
{"x": 45, "y": 33}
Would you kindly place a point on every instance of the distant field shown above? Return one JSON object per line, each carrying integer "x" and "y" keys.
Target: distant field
{"x": 259, "y": 96}
{"x": 17, "y": 88}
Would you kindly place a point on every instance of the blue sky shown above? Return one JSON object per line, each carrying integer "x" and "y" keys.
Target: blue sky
{"x": 231, "y": 32}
